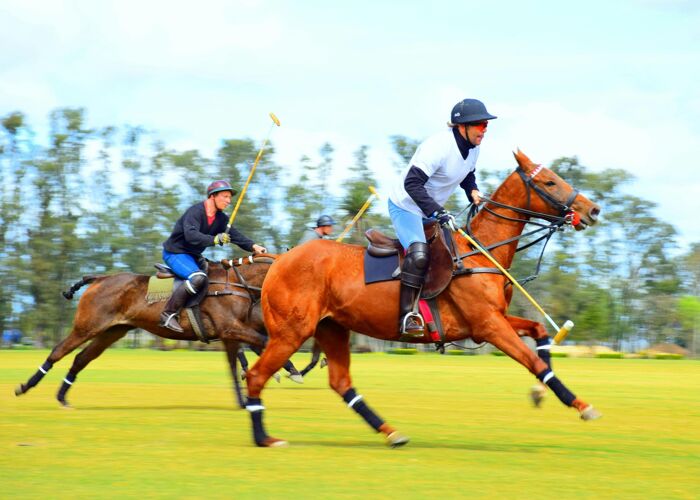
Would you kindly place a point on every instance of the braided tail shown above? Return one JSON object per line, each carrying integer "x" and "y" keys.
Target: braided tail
{"x": 68, "y": 294}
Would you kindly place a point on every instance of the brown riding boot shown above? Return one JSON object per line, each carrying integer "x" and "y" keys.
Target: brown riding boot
{"x": 168, "y": 318}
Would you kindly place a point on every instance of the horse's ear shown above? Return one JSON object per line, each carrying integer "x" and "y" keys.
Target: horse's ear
{"x": 523, "y": 161}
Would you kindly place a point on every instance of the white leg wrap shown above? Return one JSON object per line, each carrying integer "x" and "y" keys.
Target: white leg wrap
{"x": 354, "y": 400}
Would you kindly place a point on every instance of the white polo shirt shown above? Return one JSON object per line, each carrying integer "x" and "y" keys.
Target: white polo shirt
{"x": 439, "y": 157}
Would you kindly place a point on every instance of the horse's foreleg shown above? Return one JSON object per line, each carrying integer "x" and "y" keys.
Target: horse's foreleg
{"x": 62, "y": 349}
{"x": 315, "y": 356}
{"x": 233, "y": 355}
{"x": 537, "y": 331}
{"x": 84, "y": 357}
{"x": 507, "y": 340}
{"x": 335, "y": 342}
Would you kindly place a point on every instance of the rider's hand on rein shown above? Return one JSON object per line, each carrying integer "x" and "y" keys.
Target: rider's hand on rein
{"x": 446, "y": 219}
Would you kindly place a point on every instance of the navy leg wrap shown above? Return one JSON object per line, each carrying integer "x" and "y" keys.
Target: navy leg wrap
{"x": 36, "y": 378}
{"x": 543, "y": 346}
{"x": 356, "y": 402}
{"x": 557, "y": 387}
{"x": 67, "y": 383}
{"x": 255, "y": 407}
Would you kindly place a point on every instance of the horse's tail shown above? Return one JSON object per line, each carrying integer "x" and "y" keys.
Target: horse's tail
{"x": 68, "y": 294}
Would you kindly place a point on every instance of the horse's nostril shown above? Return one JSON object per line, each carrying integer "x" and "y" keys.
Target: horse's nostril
{"x": 593, "y": 212}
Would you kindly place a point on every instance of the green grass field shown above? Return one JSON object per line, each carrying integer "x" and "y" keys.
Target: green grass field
{"x": 163, "y": 425}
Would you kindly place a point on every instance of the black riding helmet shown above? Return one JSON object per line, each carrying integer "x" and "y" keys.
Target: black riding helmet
{"x": 325, "y": 220}
{"x": 470, "y": 111}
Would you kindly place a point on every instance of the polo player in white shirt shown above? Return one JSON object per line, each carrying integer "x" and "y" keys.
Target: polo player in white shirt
{"x": 440, "y": 164}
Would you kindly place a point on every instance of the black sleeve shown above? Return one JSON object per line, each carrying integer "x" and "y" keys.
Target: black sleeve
{"x": 240, "y": 239}
{"x": 469, "y": 184}
{"x": 414, "y": 184}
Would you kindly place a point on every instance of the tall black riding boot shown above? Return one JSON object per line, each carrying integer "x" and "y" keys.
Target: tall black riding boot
{"x": 168, "y": 318}
{"x": 413, "y": 271}
{"x": 410, "y": 322}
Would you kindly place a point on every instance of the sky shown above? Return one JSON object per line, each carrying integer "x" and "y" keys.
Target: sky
{"x": 613, "y": 83}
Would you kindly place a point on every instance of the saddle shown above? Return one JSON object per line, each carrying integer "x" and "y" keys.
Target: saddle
{"x": 162, "y": 285}
{"x": 382, "y": 248}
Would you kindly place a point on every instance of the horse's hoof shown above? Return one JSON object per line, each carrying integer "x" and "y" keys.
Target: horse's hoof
{"x": 19, "y": 390}
{"x": 65, "y": 405}
{"x": 277, "y": 377}
{"x": 590, "y": 413}
{"x": 296, "y": 377}
{"x": 396, "y": 439}
{"x": 537, "y": 393}
{"x": 270, "y": 442}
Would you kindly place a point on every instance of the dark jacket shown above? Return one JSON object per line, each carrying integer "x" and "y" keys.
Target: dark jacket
{"x": 192, "y": 233}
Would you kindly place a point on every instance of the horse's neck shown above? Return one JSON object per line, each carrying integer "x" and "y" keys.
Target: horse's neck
{"x": 490, "y": 229}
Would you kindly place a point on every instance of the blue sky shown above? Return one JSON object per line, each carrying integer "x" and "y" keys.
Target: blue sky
{"x": 614, "y": 83}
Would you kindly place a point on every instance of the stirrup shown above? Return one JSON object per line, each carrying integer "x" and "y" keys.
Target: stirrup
{"x": 413, "y": 316}
{"x": 176, "y": 327}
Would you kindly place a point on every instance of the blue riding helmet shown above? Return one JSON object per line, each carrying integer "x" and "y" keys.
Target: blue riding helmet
{"x": 325, "y": 220}
{"x": 218, "y": 186}
{"x": 470, "y": 111}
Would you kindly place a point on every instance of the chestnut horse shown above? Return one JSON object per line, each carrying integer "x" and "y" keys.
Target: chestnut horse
{"x": 318, "y": 289}
{"x": 114, "y": 304}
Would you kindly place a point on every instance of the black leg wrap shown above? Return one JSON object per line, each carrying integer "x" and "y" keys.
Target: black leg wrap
{"x": 255, "y": 407}
{"x": 557, "y": 387}
{"x": 543, "y": 350}
{"x": 67, "y": 383}
{"x": 36, "y": 378}
{"x": 357, "y": 403}
{"x": 291, "y": 369}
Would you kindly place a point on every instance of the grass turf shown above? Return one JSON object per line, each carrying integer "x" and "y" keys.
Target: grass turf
{"x": 163, "y": 425}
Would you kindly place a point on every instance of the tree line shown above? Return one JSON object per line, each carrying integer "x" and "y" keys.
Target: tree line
{"x": 102, "y": 200}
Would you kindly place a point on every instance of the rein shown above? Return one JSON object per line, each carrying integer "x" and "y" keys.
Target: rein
{"x": 555, "y": 223}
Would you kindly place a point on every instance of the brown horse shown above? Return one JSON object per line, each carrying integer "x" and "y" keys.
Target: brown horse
{"x": 114, "y": 304}
{"x": 318, "y": 290}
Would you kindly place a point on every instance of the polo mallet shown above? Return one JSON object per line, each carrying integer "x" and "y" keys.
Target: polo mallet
{"x": 275, "y": 121}
{"x": 561, "y": 332}
{"x": 359, "y": 214}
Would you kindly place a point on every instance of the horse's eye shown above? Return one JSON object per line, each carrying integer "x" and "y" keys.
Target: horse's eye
{"x": 550, "y": 183}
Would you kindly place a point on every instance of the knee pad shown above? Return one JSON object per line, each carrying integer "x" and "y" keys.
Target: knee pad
{"x": 415, "y": 265}
{"x": 196, "y": 282}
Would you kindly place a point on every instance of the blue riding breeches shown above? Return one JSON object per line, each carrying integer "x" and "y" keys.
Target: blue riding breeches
{"x": 182, "y": 264}
{"x": 408, "y": 226}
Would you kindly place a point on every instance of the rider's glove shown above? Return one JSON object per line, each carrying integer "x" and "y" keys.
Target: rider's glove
{"x": 446, "y": 219}
{"x": 222, "y": 238}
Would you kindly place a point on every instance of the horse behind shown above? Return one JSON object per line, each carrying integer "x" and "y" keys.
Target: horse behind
{"x": 318, "y": 290}
{"x": 112, "y": 305}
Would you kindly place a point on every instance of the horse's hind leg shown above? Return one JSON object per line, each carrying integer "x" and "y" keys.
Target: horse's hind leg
{"x": 508, "y": 341}
{"x": 84, "y": 357}
{"x": 335, "y": 342}
{"x": 77, "y": 337}
{"x": 276, "y": 353}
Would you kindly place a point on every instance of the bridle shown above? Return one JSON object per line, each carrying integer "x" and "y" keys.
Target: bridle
{"x": 554, "y": 222}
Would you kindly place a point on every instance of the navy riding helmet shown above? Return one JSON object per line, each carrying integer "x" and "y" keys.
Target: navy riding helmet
{"x": 218, "y": 186}
{"x": 325, "y": 220}
{"x": 470, "y": 111}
